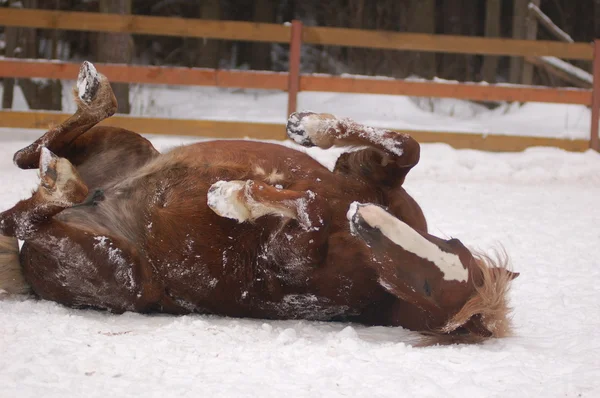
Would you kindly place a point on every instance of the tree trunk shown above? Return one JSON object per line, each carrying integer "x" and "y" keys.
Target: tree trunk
{"x": 422, "y": 20}
{"x": 597, "y": 19}
{"x": 264, "y": 11}
{"x": 10, "y": 36}
{"x": 210, "y": 50}
{"x": 45, "y": 94}
{"x": 518, "y": 32}
{"x": 530, "y": 34}
{"x": 453, "y": 17}
{"x": 116, "y": 48}
{"x": 493, "y": 11}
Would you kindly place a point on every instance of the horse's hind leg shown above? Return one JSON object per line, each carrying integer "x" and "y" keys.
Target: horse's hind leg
{"x": 385, "y": 163}
{"x": 99, "y": 153}
{"x": 306, "y": 217}
{"x": 95, "y": 102}
{"x": 104, "y": 153}
{"x": 70, "y": 264}
{"x": 390, "y": 157}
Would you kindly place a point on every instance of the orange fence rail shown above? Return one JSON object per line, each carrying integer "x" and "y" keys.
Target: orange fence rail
{"x": 296, "y": 34}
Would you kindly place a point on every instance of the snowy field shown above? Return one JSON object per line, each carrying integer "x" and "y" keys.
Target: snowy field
{"x": 542, "y": 205}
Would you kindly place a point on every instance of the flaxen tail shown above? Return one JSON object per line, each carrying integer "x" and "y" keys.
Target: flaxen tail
{"x": 11, "y": 275}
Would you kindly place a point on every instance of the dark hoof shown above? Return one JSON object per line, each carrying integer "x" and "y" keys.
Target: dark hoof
{"x": 296, "y": 130}
{"x": 88, "y": 82}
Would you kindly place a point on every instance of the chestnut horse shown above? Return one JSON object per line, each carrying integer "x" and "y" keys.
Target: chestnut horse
{"x": 242, "y": 229}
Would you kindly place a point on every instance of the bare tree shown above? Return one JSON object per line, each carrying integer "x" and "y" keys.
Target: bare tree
{"x": 493, "y": 16}
{"x": 116, "y": 48}
{"x": 10, "y": 38}
{"x": 422, "y": 15}
{"x": 23, "y": 43}
{"x": 520, "y": 12}
{"x": 210, "y": 50}
{"x": 453, "y": 16}
{"x": 597, "y": 18}
{"x": 264, "y": 11}
{"x": 531, "y": 32}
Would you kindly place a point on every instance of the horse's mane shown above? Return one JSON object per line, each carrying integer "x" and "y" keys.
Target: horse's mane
{"x": 489, "y": 301}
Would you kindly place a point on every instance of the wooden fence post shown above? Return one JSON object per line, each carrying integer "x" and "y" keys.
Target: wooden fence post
{"x": 294, "y": 66}
{"x": 594, "y": 140}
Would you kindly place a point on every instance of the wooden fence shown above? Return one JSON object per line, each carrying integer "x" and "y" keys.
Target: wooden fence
{"x": 293, "y": 82}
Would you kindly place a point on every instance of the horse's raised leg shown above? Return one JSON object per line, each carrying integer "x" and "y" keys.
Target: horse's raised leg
{"x": 306, "y": 217}
{"x": 95, "y": 102}
{"x": 325, "y": 130}
{"x": 60, "y": 188}
{"x": 385, "y": 163}
{"x": 74, "y": 265}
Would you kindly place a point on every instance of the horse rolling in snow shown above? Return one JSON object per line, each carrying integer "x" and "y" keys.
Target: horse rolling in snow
{"x": 241, "y": 228}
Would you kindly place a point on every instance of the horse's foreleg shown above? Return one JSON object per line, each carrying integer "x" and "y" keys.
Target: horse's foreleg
{"x": 60, "y": 188}
{"x": 95, "y": 102}
{"x": 306, "y": 217}
{"x": 72, "y": 264}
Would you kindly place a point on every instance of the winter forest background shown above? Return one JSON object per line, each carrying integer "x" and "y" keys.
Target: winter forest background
{"x": 494, "y": 18}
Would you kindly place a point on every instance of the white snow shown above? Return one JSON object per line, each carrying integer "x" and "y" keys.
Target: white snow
{"x": 570, "y": 69}
{"x": 542, "y": 205}
{"x": 45, "y": 160}
{"x": 222, "y": 199}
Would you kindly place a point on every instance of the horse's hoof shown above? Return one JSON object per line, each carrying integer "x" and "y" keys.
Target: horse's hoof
{"x": 60, "y": 183}
{"x": 311, "y": 129}
{"x": 224, "y": 199}
{"x": 88, "y": 82}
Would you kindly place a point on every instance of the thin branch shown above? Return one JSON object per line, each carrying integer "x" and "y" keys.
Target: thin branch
{"x": 548, "y": 24}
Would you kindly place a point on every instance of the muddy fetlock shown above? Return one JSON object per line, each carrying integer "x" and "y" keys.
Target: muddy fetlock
{"x": 60, "y": 183}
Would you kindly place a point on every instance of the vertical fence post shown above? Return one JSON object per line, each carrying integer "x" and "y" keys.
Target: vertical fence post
{"x": 594, "y": 140}
{"x": 294, "y": 66}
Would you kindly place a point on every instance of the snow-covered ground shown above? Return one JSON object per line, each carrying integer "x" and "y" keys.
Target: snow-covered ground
{"x": 542, "y": 205}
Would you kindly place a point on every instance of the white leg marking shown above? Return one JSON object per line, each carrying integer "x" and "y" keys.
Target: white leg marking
{"x": 223, "y": 199}
{"x": 410, "y": 240}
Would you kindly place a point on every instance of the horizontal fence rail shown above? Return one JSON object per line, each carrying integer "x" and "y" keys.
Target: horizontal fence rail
{"x": 470, "y": 91}
{"x": 445, "y": 43}
{"x": 293, "y": 82}
{"x": 275, "y": 33}
{"x": 119, "y": 73}
{"x": 18, "y": 68}
{"x": 144, "y": 25}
